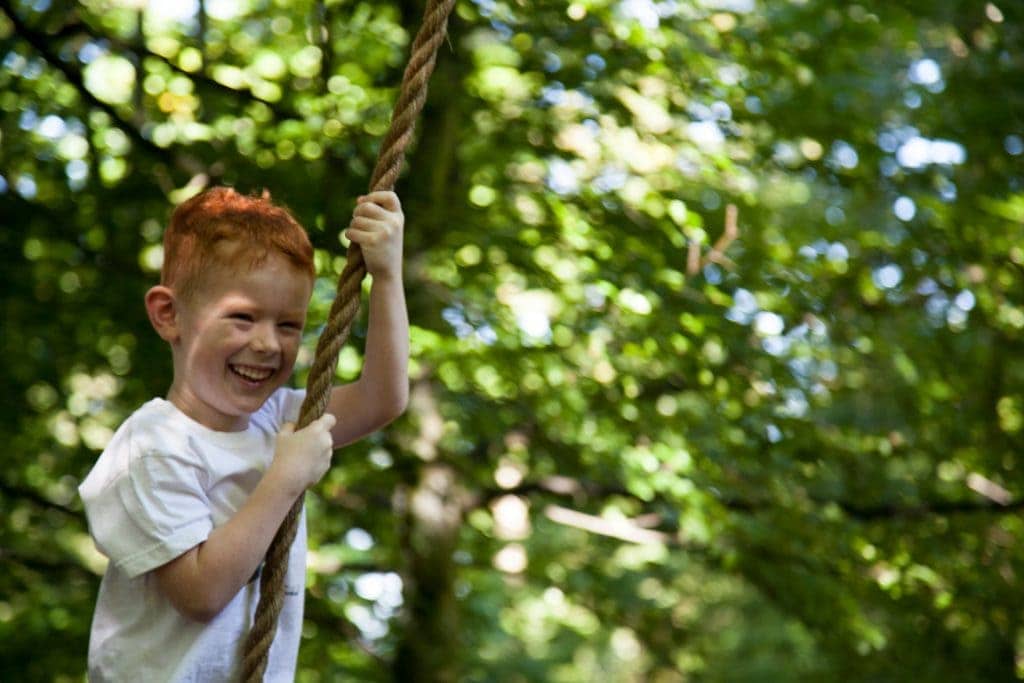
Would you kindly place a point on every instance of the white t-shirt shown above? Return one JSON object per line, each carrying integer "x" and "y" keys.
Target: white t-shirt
{"x": 159, "y": 488}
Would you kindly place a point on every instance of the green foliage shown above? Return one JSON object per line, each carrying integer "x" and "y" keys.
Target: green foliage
{"x": 627, "y": 456}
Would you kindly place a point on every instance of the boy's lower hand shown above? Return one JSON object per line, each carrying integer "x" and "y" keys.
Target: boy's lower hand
{"x": 377, "y": 227}
{"x": 302, "y": 457}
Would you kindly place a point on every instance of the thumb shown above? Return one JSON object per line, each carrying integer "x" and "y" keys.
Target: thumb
{"x": 328, "y": 420}
{"x": 287, "y": 428}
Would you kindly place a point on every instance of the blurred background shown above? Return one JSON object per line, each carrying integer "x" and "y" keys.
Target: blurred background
{"x": 645, "y": 442}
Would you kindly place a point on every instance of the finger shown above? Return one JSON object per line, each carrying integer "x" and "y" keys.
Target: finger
{"x": 369, "y": 223}
{"x": 386, "y": 198}
{"x": 364, "y": 238}
{"x": 370, "y": 210}
{"x": 328, "y": 420}
{"x": 287, "y": 428}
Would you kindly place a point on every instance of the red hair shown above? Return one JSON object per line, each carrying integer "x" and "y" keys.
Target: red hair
{"x": 223, "y": 228}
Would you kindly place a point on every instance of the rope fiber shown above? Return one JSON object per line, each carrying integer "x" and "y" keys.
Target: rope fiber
{"x": 412, "y": 95}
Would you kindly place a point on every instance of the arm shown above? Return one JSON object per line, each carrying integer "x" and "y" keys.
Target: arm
{"x": 202, "y": 581}
{"x": 382, "y": 391}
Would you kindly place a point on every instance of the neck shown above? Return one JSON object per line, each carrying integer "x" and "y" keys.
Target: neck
{"x": 188, "y": 403}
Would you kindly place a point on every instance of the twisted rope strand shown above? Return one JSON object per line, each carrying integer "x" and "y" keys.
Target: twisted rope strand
{"x": 412, "y": 96}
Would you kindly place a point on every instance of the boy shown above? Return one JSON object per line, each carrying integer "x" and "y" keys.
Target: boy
{"x": 189, "y": 493}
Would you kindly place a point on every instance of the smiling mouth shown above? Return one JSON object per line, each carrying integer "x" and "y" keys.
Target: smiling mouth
{"x": 252, "y": 373}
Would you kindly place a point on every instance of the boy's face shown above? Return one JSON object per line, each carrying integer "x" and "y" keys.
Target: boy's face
{"x": 238, "y": 338}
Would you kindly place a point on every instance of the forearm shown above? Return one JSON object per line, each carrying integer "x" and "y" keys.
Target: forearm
{"x": 382, "y": 390}
{"x": 385, "y": 376}
{"x": 203, "y": 581}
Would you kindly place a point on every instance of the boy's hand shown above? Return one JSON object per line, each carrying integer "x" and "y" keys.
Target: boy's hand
{"x": 377, "y": 226}
{"x": 303, "y": 457}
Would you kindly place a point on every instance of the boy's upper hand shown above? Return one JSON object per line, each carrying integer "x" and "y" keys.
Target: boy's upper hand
{"x": 377, "y": 226}
{"x": 302, "y": 457}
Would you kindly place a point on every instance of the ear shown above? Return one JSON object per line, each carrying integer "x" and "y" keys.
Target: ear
{"x": 162, "y": 307}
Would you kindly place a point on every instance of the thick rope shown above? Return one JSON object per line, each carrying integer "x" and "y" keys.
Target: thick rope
{"x": 343, "y": 311}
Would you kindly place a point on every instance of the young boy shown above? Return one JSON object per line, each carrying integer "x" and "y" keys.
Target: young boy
{"x": 189, "y": 493}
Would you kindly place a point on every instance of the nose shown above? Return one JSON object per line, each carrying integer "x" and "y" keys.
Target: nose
{"x": 264, "y": 339}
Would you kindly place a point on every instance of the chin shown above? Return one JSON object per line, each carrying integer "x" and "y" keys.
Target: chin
{"x": 240, "y": 407}
{"x": 254, "y": 403}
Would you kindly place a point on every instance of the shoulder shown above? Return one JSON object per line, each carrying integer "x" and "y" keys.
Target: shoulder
{"x": 159, "y": 422}
{"x": 154, "y": 428}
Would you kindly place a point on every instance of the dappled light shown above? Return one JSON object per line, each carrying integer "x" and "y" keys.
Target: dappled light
{"x": 716, "y": 316}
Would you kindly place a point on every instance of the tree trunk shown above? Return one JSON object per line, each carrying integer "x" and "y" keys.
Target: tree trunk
{"x": 433, "y": 516}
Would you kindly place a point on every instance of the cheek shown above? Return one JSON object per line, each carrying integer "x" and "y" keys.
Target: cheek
{"x": 290, "y": 348}
{"x": 231, "y": 340}
{"x": 213, "y": 344}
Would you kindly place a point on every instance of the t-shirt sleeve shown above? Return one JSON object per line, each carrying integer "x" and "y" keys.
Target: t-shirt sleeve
{"x": 150, "y": 513}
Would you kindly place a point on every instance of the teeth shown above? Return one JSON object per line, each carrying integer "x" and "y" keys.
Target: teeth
{"x": 252, "y": 374}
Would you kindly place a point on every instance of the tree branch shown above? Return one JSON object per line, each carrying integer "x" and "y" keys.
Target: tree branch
{"x": 82, "y": 27}
{"x": 567, "y": 487}
{"x": 26, "y": 494}
{"x": 39, "y": 42}
{"x": 889, "y": 511}
{"x": 40, "y": 565}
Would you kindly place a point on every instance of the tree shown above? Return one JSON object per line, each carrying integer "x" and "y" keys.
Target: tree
{"x": 630, "y": 455}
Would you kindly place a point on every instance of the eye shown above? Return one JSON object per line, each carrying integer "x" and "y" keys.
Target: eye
{"x": 242, "y": 317}
{"x": 290, "y": 325}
